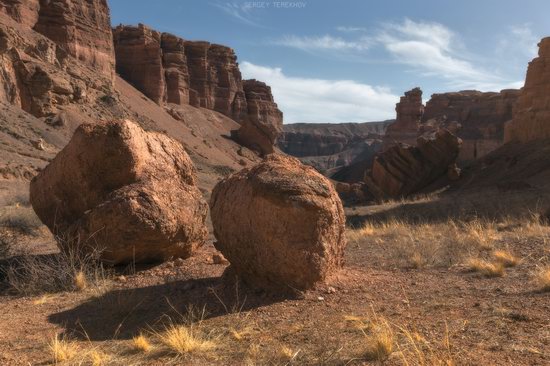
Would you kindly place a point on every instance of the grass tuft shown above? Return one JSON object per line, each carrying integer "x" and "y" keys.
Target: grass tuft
{"x": 141, "y": 344}
{"x": 380, "y": 341}
{"x": 183, "y": 340}
{"x": 62, "y": 350}
{"x": 488, "y": 269}
{"x": 506, "y": 258}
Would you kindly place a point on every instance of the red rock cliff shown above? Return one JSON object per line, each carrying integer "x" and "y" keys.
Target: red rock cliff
{"x": 264, "y": 121}
{"x": 531, "y": 119}
{"x": 169, "y": 69}
{"x": 82, "y": 28}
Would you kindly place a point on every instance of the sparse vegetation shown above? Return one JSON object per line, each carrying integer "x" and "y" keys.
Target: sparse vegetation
{"x": 70, "y": 270}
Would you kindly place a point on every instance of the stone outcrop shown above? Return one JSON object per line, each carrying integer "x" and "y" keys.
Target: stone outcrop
{"x": 531, "y": 119}
{"x": 139, "y": 60}
{"x": 477, "y": 118}
{"x": 54, "y": 53}
{"x": 168, "y": 69}
{"x": 402, "y": 169}
{"x": 280, "y": 224}
{"x": 409, "y": 115}
{"x": 22, "y": 11}
{"x": 82, "y": 28}
{"x": 264, "y": 122}
{"x": 124, "y": 191}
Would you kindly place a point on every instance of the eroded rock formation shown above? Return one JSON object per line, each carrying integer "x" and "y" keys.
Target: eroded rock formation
{"x": 280, "y": 224}
{"x": 124, "y": 191}
{"x": 404, "y": 169}
{"x": 169, "y": 69}
{"x": 477, "y": 118}
{"x": 264, "y": 122}
{"x": 531, "y": 119}
{"x": 409, "y": 115}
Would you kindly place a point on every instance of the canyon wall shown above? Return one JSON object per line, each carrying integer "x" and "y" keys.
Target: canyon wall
{"x": 82, "y": 29}
{"x": 531, "y": 119}
{"x": 168, "y": 69}
{"x": 477, "y": 118}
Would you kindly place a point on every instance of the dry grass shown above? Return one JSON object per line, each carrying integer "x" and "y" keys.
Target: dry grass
{"x": 506, "y": 258}
{"x": 62, "y": 350}
{"x": 418, "y": 245}
{"x": 182, "y": 340}
{"x": 380, "y": 343}
{"x": 99, "y": 358}
{"x": 140, "y": 343}
{"x": 80, "y": 281}
{"x": 71, "y": 270}
{"x": 417, "y": 350}
{"x": 542, "y": 279}
{"x": 488, "y": 269}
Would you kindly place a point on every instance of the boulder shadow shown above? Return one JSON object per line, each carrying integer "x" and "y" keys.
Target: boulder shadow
{"x": 124, "y": 313}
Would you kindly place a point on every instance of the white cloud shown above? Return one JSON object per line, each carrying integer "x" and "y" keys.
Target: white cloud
{"x": 348, "y": 29}
{"x": 520, "y": 40}
{"x": 241, "y": 12}
{"x": 431, "y": 50}
{"x": 321, "y": 100}
{"x": 325, "y": 42}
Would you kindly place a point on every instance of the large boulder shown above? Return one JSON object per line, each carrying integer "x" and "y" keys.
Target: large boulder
{"x": 280, "y": 224}
{"x": 125, "y": 191}
{"x": 404, "y": 169}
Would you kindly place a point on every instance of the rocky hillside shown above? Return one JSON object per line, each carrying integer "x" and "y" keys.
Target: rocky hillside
{"x": 327, "y": 146}
{"x": 58, "y": 70}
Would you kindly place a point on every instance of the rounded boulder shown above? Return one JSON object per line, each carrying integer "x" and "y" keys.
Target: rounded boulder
{"x": 280, "y": 224}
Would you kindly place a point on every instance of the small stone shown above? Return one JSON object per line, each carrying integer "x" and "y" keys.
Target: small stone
{"x": 321, "y": 298}
{"x": 218, "y": 258}
{"x": 331, "y": 290}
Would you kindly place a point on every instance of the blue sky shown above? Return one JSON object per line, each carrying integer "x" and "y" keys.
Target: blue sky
{"x": 350, "y": 60}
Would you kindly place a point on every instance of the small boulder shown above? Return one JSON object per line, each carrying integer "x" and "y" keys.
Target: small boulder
{"x": 122, "y": 190}
{"x": 280, "y": 224}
